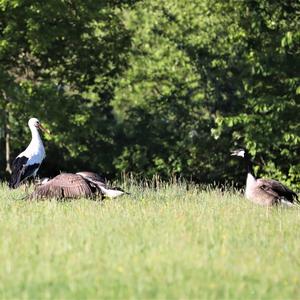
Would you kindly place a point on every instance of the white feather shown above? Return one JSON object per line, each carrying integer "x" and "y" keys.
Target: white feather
{"x": 110, "y": 193}
{"x": 286, "y": 203}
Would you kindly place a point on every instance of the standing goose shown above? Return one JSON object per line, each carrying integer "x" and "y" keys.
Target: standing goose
{"x": 28, "y": 162}
{"x": 96, "y": 179}
{"x": 265, "y": 191}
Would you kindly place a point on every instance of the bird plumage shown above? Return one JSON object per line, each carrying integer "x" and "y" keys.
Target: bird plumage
{"x": 265, "y": 191}
{"x": 64, "y": 185}
{"x": 92, "y": 177}
{"x": 81, "y": 184}
{"x": 28, "y": 162}
{"x": 112, "y": 192}
{"x": 96, "y": 179}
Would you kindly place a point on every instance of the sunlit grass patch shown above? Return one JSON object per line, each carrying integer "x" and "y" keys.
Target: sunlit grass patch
{"x": 162, "y": 241}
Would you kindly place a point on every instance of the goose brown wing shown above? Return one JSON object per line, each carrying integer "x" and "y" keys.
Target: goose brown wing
{"x": 275, "y": 187}
{"x": 65, "y": 185}
{"x": 91, "y": 176}
{"x": 94, "y": 179}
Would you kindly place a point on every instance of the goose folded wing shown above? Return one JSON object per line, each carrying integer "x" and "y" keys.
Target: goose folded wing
{"x": 274, "y": 187}
{"x": 91, "y": 175}
{"x": 65, "y": 185}
{"x": 93, "y": 178}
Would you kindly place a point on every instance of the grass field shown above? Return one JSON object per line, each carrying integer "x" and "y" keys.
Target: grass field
{"x": 168, "y": 243}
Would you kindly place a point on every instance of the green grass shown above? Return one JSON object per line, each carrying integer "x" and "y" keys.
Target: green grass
{"x": 169, "y": 243}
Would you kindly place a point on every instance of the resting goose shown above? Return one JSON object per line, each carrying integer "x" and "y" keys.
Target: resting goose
{"x": 79, "y": 185}
{"x": 266, "y": 192}
{"x": 28, "y": 162}
{"x": 64, "y": 186}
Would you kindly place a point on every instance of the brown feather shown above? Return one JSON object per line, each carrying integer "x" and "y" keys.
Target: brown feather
{"x": 277, "y": 189}
{"x": 92, "y": 177}
{"x": 65, "y": 185}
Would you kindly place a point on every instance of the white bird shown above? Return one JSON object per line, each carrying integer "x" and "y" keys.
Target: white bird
{"x": 28, "y": 162}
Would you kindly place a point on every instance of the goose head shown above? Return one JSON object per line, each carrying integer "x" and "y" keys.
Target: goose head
{"x": 241, "y": 152}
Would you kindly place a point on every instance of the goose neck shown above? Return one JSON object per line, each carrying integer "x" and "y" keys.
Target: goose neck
{"x": 249, "y": 166}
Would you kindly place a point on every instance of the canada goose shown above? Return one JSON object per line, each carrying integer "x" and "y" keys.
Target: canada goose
{"x": 107, "y": 191}
{"x": 264, "y": 191}
{"x": 68, "y": 185}
{"x": 64, "y": 185}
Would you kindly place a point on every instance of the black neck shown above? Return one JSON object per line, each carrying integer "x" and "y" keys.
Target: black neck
{"x": 249, "y": 165}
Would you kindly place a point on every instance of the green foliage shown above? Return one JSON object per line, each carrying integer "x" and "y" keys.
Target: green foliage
{"x": 268, "y": 121}
{"x": 63, "y": 60}
{"x": 150, "y": 87}
{"x": 171, "y": 89}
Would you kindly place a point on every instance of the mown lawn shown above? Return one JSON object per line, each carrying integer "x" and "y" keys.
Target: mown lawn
{"x": 168, "y": 243}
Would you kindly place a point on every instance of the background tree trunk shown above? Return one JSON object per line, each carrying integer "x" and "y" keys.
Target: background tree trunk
{"x": 7, "y": 143}
{"x": 6, "y": 133}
